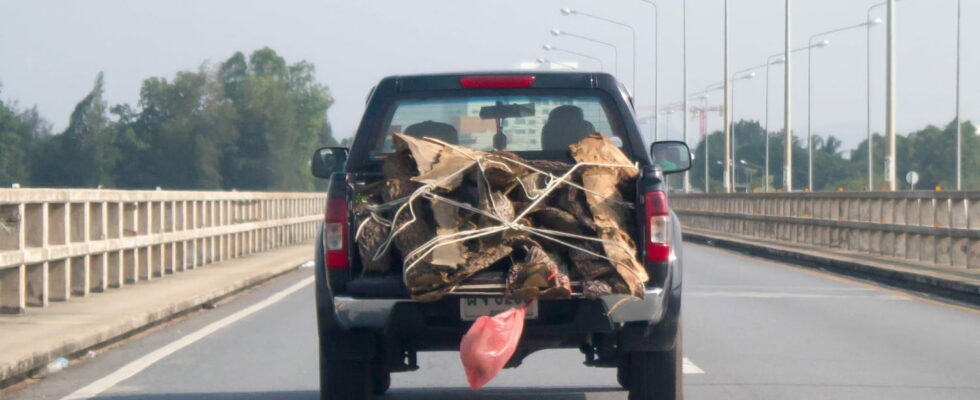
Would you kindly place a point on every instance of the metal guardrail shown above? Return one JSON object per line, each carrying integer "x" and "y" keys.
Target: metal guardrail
{"x": 60, "y": 243}
{"x": 939, "y": 228}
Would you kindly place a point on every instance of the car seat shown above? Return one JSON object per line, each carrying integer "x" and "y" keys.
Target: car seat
{"x": 436, "y": 130}
{"x": 566, "y": 125}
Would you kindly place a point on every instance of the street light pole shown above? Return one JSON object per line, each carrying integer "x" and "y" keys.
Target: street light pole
{"x": 809, "y": 92}
{"x": 736, "y": 77}
{"x": 890, "y": 102}
{"x": 707, "y": 141}
{"x": 656, "y": 68}
{"x": 569, "y": 11}
{"x": 687, "y": 174}
{"x": 959, "y": 125}
{"x": 726, "y": 111}
{"x": 602, "y": 66}
{"x": 733, "y": 144}
{"x": 559, "y": 32}
{"x": 787, "y": 106}
{"x": 769, "y": 62}
{"x": 867, "y": 45}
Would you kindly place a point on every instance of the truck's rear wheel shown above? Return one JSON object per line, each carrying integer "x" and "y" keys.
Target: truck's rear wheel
{"x": 381, "y": 379}
{"x": 623, "y": 371}
{"x": 653, "y": 375}
{"x": 344, "y": 379}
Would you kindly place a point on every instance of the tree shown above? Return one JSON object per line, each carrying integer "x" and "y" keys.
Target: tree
{"x": 178, "y": 137}
{"x": 750, "y": 146}
{"x": 281, "y": 118}
{"x": 83, "y": 155}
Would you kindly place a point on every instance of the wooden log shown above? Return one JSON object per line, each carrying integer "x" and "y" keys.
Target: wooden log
{"x": 556, "y": 168}
{"x": 476, "y": 261}
{"x": 536, "y": 273}
{"x": 570, "y": 199}
{"x": 610, "y": 213}
{"x": 588, "y": 265}
{"x": 370, "y": 236}
{"x": 411, "y": 234}
{"x": 500, "y": 170}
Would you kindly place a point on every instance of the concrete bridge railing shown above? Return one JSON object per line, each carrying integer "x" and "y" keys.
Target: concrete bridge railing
{"x": 938, "y": 228}
{"x": 60, "y": 243}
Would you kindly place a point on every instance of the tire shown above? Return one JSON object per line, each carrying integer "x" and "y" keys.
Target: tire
{"x": 344, "y": 379}
{"x": 623, "y": 371}
{"x": 654, "y": 375}
{"x": 381, "y": 379}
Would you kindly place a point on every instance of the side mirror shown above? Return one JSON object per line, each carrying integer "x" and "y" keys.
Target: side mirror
{"x": 327, "y": 160}
{"x": 671, "y": 156}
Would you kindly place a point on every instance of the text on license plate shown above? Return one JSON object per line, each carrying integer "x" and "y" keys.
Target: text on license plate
{"x": 470, "y": 308}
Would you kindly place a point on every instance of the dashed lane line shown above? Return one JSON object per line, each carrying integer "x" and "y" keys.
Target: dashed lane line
{"x": 690, "y": 368}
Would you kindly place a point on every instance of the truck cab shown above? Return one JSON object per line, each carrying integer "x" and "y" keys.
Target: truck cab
{"x": 369, "y": 327}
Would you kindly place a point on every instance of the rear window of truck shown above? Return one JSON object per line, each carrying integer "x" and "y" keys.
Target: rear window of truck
{"x": 529, "y": 122}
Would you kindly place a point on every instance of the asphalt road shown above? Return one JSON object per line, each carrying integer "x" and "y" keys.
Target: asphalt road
{"x": 753, "y": 329}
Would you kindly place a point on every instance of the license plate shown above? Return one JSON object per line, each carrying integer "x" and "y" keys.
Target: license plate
{"x": 471, "y": 308}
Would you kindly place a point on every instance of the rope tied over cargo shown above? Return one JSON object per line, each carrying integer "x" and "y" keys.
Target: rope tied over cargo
{"x": 531, "y": 191}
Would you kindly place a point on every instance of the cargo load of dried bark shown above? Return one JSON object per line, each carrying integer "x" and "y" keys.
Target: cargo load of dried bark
{"x": 448, "y": 212}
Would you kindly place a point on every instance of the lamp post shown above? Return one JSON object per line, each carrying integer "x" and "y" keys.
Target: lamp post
{"x": 890, "y": 100}
{"x": 731, "y": 131}
{"x": 569, "y": 11}
{"x": 867, "y": 46}
{"x": 772, "y": 60}
{"x": 656, "y": 68}
{"x": 687, "y": 174}
{"x": 707, "y": 141}
{"x": 726, "y": 111}
{"x": 959, "y": 124}
{"x": 809, "y": 91}
{"x": 776, "y": 59}
{"x": 750, "y": 167}
{"x": 543, "y": 61}
{"x": 559, "y": 32}
{"x": 787, "y": 106}
{"x": 548, "y": 47}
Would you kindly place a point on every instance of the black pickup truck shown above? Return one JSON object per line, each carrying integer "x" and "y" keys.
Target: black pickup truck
{"x": 369, "y": 327}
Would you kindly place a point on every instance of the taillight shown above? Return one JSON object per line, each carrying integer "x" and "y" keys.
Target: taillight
{"x": 335, "y": 234}
{"x": 657, "y": 227}
{"x": 498, "y": 81}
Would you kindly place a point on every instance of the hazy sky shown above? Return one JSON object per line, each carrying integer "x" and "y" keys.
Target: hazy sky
{"x": 50, "y": 51}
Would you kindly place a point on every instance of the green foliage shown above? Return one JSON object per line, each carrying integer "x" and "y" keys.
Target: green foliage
{"x": 83, "y": 155}
{"x": 930, "y": 152}
{"x": 249, "y": 123}
{"x": 20, "y": 131}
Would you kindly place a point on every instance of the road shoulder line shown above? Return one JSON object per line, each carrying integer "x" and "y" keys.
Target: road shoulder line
{"x": 947, "y": 286}
{"x": 67, "y": 329}
{"x": 134, "y": 367}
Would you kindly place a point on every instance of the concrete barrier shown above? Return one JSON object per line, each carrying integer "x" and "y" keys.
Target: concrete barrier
{"x": 56, "y": 244}
{"x": 934, "y": 228}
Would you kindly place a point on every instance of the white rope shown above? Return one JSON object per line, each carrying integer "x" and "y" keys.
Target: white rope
{"x": 536, "y": 195}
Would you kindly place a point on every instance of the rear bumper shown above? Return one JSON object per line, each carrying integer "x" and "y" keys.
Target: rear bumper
{"x": 352, "y": 313}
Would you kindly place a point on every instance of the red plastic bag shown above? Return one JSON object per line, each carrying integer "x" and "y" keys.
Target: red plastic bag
{"x": 489, "y": 344}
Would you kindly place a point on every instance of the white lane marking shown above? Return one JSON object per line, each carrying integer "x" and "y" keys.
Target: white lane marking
{"x": 690, "y": 368}
{"x": 134, "y": 367}
{"x": 780, "y": 295}
{"x": 778, "y": 288}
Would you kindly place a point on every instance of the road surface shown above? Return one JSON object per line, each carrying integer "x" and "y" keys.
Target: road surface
{"x": 754, "y": 329}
